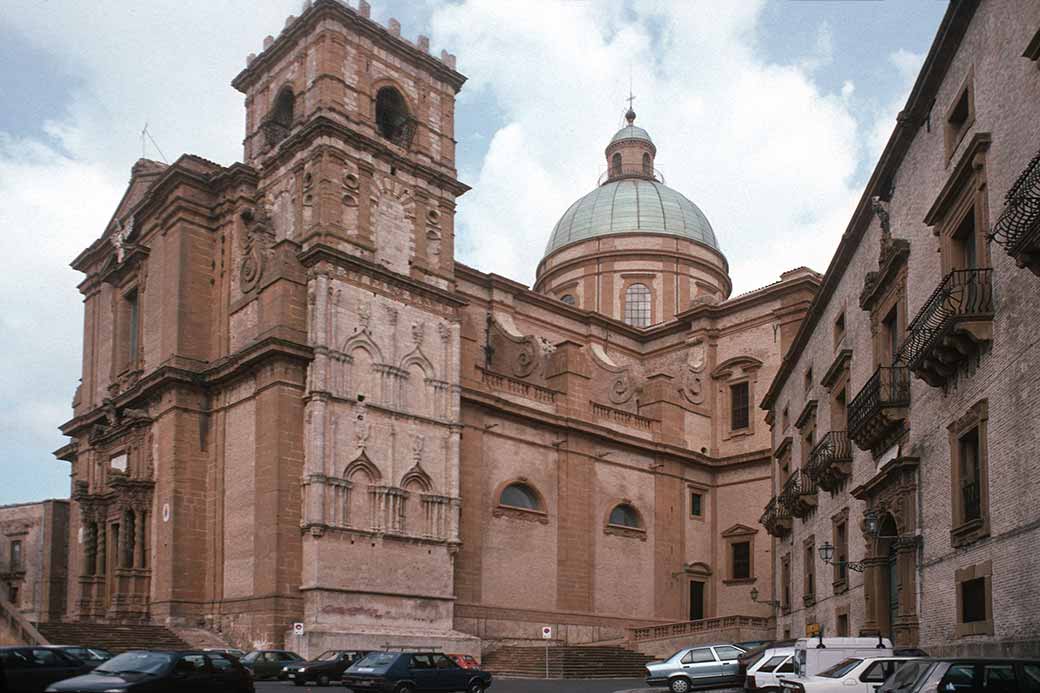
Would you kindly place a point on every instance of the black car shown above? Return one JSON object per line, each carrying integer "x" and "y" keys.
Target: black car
{"x": 88, "y": 655}
{"x": 407, "y": 672}
{"x": 32, "y": 669}
{"x": 323, "y": 669}
{"x": 162, "y": 672}
{"x": 965, "y": 675}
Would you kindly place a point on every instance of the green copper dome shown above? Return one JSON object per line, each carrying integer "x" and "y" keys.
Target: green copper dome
{"x": 631, "y": 132}
{"x": 631, "y": 205}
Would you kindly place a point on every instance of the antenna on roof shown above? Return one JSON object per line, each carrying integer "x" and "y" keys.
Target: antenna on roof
{"x": 144, "y": 134}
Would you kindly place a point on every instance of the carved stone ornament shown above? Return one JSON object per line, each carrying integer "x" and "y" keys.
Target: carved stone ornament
{"x": 120, "y": 238}
{"x": 691, "y": 383}
{"x": 443, "y": 331}
{"x": 418, "y": 331}
{"x": 361, "y": 429}
{"x": 526, "y": 359}
{"x": 892, "y": 254}
{"x": 417, "y": 447}
{"x": 259, "y": 238}
{"x": 621, "y": 388}
{"x": 364, "y": 312}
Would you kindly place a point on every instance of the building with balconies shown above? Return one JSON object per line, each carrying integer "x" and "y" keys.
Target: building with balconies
{"x": 915, "y": 459}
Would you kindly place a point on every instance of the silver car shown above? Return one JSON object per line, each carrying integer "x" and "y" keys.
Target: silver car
{"x": 702, "y": 666}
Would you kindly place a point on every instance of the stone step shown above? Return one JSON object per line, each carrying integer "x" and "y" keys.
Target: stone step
{"x": 112, "y": 636}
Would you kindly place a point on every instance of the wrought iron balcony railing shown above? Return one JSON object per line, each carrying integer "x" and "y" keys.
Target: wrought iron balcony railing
{"x": 1018, "y": 228}
{"x": 799, "y": 494}
{"x": 631, "y": 171}
{"x": 950, "y": 326}
{"x": 776, "y": 519}
{"x": 830, "y": 461}
{"x": 880, "y": 408}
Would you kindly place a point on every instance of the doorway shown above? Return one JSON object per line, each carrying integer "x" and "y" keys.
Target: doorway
{"x": 696, "y": 600}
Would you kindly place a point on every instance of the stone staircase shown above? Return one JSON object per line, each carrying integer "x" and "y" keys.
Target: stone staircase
{"x": 567, "y": 662}
{"x": 113, "y": 637}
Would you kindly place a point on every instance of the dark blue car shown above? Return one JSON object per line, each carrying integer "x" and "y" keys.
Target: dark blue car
{"x": 412, "y": 672}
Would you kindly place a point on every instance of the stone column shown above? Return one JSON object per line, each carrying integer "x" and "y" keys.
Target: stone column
{"x": 138, "y": 539}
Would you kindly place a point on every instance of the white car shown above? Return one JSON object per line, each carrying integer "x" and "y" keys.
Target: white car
{"x": 764, "y": 675}
{"x": 852, "y": 675}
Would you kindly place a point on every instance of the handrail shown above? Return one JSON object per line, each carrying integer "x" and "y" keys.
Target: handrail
{"x": 1021, "y": 216}
{"x": 961, "y": 293}
{"x": 682, "y": 628}
{"x": 498, "y": 381}
{"x": 630, "y": 171}
{"x": 20, "y": 626}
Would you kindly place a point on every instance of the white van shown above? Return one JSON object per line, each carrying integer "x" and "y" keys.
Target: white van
{"x": 813, "y": 655}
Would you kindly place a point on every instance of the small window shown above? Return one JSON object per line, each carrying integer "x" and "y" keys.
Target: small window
{"x": 625, "y": 516}
{"x": 16, "y": 555}
{"x": 697, "y": 656}
{"x": 520, "y": 496}
{"x": 739, "y": 402}
{"x": 839, "y": 329}
{"x": 785, "y": 418}
{"x": 648, "y": 165}
{"x": 392, "y": 118}
{"x": 959, "y": 119}
{"x": 282, "y": 112}
{"x": 970, "y": 477}
{"x": 696, "y": 500}
{"x": 973, "y": 600}
{"x": 615, "y": 164}
{"x": 569, "y": 299}
{"x": 637, "y": 305}
{"x": 741, "y": 560}
{"x": 890, "y": 337}
{"x": 808, "y": 379}
{"x": 133, "y": 318}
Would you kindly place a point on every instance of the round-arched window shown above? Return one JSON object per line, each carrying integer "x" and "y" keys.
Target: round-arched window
{"x": 392, "y": 117}
{"x": 615, "y": 164}
{"x": 637, "y": 305}
{"x": 625, "y": 515}
{"x": 648, "y": 166}
{"x": 282, "y": 112}
{"x": 519, "y": 496}
{"x": 569, "y": 299}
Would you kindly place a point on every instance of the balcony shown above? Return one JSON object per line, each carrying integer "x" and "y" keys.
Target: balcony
{"x": 799, "y": 494}
{"x": 950, "y": 327}
{"x": 878, "y": 412}
{"x": 830, "y": 462}
{"x": 776, "y": 519}
{"x": 1018, "y": 228}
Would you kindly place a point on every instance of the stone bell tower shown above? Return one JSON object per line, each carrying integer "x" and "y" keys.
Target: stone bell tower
{"x": 350, "y": 127}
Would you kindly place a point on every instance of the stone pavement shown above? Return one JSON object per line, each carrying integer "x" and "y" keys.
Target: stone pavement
{"x": 508, "y": 685}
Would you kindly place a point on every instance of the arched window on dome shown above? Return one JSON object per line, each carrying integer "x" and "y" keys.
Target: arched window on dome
{"x": 520, "y": 495}
{"x": 648, "y": 165}
{"x": 569, "y": 299}
{"x": 615, "y": 164}
{"x": 624, "y": 515}
{"x": 637, "y": 305}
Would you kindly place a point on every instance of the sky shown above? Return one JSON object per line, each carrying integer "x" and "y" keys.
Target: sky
{"x": 768, "y": 114}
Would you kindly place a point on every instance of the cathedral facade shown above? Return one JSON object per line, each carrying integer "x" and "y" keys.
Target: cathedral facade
{"x": 297, "y": 406}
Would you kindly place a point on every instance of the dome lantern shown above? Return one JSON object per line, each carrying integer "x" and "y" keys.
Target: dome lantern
{"x": 630, "y": 153}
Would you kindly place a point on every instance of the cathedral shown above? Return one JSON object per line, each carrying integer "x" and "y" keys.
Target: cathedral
{"x": 297, "y": 407}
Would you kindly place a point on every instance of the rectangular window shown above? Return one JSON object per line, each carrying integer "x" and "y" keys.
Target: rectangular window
{"x": 808, "y": 379}
{"x": 810, "y": 570}
{"x": 741, "y": 560}
{"x": 785, "y": 584}
{"x": 739, "y": 406}
{"x": 696, "y": 600}
{"x": 965, "y": 244}
{"x": 786, "y": 418}
{"x": 841, "y": 551}
{"x": 132, "y": 317}
{"x": 959, "y": 119}
{"x": 970, "y": 477}
{"x": 973, "y": 600}
{"x": 890, "y": 337}
{"x": 696, "y": 500}
{"x": 16, "y": 555}
{"x": 839, "y": 329}
{"x": 839, "y": 411}
{"x": 843, "y": 626}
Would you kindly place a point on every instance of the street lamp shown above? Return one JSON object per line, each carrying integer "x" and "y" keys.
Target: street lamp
{"x": 827, "y": 553}
{"x": 771, "y": 602}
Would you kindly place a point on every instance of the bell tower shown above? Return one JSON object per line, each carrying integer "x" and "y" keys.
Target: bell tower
{"x": 350, "y": 128}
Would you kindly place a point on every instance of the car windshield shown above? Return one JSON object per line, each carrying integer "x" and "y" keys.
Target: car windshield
{"x": 251, "y": 657}
{"x": 377, "y": 661}
{"x": 327, "y": 656}
{"x": 137, "y": 663}
{"x": 906, "y": 676}
{"x": 841, "y": 668}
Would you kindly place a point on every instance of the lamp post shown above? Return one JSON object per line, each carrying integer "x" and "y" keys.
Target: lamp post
{"x": 827, "y": 553}
{"x": 771, "y": 602}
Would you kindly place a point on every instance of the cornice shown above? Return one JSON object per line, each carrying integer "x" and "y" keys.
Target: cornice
{"x": 807, "y": 412}
{"x": 962, "y": 172}
{"x": 937, "y": 63}
{"x": 838, "y": 366}
{"x": 346, "y": 15}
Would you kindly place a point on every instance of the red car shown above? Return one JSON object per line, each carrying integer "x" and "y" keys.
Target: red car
{"x": 465, "y": 661}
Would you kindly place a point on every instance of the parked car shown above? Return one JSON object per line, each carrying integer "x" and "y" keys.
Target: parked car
{"x": 813, "y": 655}
{"x": 749, "y": 659}
{"x": 234, "y": 652}
{"x": 703, "y": 666}
{"x": 966, "y": 675}
{"x": 408, "y": 672}
{"x": 852, "y": 675}
{"x": 465, "y": 661}
{"x": 162, "y": 672}
{"x": 764, "y": 672}
{"x": 323, "y": 669}
{"x": 268, "y": 664}
{"x": 88, "y": 655}
{"x": 32, "y": 669}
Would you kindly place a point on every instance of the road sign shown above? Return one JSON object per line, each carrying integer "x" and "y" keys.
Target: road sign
{"x": 297, "y": 628}
{"x": 547, "y": 632}
{"x": 812, "y": 630}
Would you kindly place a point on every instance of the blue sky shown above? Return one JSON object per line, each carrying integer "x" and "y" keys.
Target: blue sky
{"x": 769, "y": 115}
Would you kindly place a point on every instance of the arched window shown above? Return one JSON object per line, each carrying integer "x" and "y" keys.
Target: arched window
{"x": 569, "y": 299}
{"x": 625, "y": 515}
{"x": 637, "y": 305}
{"x": 519, "y": 496}
{"x": 392, "y": 117}
{"x": 282, "y": 113}
{"x": 615, "y": 164}
{"x": 648, "y": 166}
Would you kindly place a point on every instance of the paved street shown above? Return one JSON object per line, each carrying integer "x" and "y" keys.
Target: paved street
{"x": 503, "y": 685}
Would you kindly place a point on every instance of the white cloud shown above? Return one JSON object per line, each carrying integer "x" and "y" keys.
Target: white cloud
{"x": 906, "y": 64}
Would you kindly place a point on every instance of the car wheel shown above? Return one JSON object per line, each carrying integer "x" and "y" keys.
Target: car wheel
{"x": 679, "y": 685}
{"x": 405, "y": 688}
{"x": 475, "y": 686}
{"x": 323, "y": 680}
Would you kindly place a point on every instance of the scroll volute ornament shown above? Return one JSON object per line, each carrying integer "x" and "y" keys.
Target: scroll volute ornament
{"x": 258, "y": 240}
{"x": 691, "y": 382}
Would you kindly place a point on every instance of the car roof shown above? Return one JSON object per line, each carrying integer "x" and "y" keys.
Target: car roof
{"x": 970, "y": 658}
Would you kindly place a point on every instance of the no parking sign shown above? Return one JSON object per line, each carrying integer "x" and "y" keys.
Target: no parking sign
{"x": 297, "y": 628}
{"x": 547, "y": 632}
